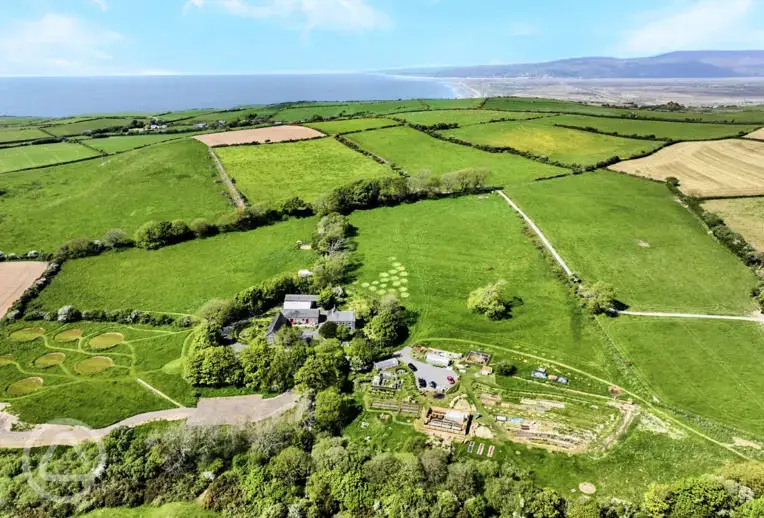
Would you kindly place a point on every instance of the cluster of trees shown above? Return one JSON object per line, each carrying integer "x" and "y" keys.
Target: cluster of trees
{"x": 297, "y": 469}
{"x": 598, "y": 298}
{"x": 492, "y": 300}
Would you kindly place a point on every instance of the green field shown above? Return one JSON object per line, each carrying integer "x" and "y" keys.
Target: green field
{"x": 118, "y": 144}
{"x": 434, "y": 253}
{"x": 181, "y": 278}
{"x": 415, "y": 151}
{"x": 461, "y": 117}
{"x": 43, "y": 209}
{"x": 560, "y": 144}
{"x": 229, "y": 116}
{"x": 658, "y": 129}
{"x": 547, "y": 105}
{"x": 20, "y": 135}
{"x": 449, "y": 104}
{"x": 97, "y": 397}
{"x": 24, "y": 157}
{"x": 6, "y": 120}
{"x": 349, "y": 125}
{"x": 707, "y": 367}
{"x": 307, "y": 112}
{"x": 174, "y": 510}
{"x": 632, "y": 234}
{"x": 78, "y": 128}
{"x": 276, "y": 172}
{"x": 184, "y": 114}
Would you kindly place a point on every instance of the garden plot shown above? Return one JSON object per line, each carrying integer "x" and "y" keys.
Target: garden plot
{"x": 275, "y": 173}
{"x": 15, "y": 278}
{"x": 632, "y": 234}
{"x": 719, "y": 168}
{"x": 560, "y": 144}
{"x": 259, "y": 135}
{"x": 25, "y": 157}
{"x": 440, "y": 251}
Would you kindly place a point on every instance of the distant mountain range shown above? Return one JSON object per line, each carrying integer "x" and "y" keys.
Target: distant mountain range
{"x": 675, "y": 65}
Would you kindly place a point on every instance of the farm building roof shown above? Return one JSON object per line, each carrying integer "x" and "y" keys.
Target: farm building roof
{"x": 390, "y": 363}
{"x": 277, "y": 323}
{"x": 301, "y": 298}
{"x": 301, "y": 313}
{"x": 340, "y": 316}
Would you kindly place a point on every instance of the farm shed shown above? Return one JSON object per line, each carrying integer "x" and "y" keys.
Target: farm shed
{"x": 390, "y": 363}
{"x": 438, "y": 360}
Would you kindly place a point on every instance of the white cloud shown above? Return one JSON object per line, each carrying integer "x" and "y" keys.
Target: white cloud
{"x": 56, "y": 44}
{"x": 339, "y": 15}
{"x": 700, "y": 25}
{"x": 102, "y": 4}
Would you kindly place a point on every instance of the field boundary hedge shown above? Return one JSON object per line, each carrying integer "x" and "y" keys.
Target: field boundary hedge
{"x": 100, "y": 155}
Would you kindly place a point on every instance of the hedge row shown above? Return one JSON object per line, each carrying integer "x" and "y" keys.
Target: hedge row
{"x": 355, "y": 147}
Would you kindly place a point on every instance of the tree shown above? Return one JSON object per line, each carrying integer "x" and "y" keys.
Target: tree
{"x": 364, "y": 307}
{"x": 446, "y": 506}
{"x": 214, "y": 366}
{"x": 329, "y": 410}
{"x": 546, "y": 504}
{"x": 504, "y": 368}
{"x": 491, "y": 301}
{"x": 324, "y": 370}
{"x": 600, "y": 297}
{"x": 116, "y": 238}
{"x": 361, "y": 355}
{"x": 154, "y": 234}
{"x": 203, "y": 228}
{"x": 288, "y": 336}
{"x": 752, "y": 509}
{"x": 292, "y": 466}
{"x": 69, "y": 314}
{"x": 218, "y": 311}
{"x": 388, "y": 327}
{"x": 328, "y": 330}
{"x": 330, "y": 270}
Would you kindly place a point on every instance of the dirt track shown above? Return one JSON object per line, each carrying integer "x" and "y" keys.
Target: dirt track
{"x": 714, "y": 168}
{"x": 260, "y": 135}
{"x": 15, "y": 277}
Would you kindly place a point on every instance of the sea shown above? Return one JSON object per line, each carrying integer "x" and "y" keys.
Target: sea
{"x": 66, "y": 96}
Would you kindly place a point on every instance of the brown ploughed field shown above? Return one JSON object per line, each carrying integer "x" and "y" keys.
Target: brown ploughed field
{"x": 259, "y": 135}
{"x": 15, "y": 277}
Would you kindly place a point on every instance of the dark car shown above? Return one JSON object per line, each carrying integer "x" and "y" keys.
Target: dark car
{"x": 412, "y": 367}
{"x": 422, "y": 383}
{"x": 433, "y": 384}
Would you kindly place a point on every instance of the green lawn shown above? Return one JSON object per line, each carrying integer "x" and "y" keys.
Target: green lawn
{"x": 707, "y": 367}
{"x": 631, "y": 233}
{"x": 415, "y": 151}
{"x": 276, "y": 172}
{"x": 446, "y": 104}
{"x": 345, "y": 126}
{"x": 78, "y": 128}
{"x": 461, "y": 117}
{"x": 564, "y": 145}
{"x": 43, "y": 209}
{"x": 181, "y": 278}
{"x": 434, "y": 253}
{"x": 662, "y": 130}
{"x": 19, "y": 135}
{"x": 24, "y": 157}
{"x": 118, "y": 144}
{"x": 96, "y": 399}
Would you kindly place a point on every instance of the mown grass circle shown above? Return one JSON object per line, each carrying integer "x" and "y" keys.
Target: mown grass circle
{"x": 384, "y": 274}
{"x": 375, "y": 283}
{"x": 392, "y": 272}
{"x": 94, "y": 365}
{"x": 6, "y": 359}
{"x": 27, "y": 334}
{"x": 401, "y": 268}
{"x": 397, "y": 264}
{"x": 49, "y": 360}
{"x": 396, "y": 283}
{"x": 405, "y": 295}
{"x": 25, "y": 386}
{"x": 372, "y": 288}
{"x": 365, "y": 285}
{"x": 404, "y": 274}
{"x": 404, "y": 280}
{"x": 70, "y": 335}
{"x": 106, "y": 341}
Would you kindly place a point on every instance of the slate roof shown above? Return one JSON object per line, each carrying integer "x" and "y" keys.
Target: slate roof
{"x": 277, "y": 323}
{"x": 300, "y": 313}
{"x": 301, "y": 298}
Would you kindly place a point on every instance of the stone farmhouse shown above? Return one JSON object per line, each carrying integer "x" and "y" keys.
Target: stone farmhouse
{"x": 302, "y": 311}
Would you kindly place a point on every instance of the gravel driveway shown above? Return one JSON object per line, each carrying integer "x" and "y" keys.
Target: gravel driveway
{"x": 428, "y": 372}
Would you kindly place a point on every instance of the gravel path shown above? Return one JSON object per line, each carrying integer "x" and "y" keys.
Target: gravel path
{"x": 759, "y": 318}
{"x": 235, "y": 194}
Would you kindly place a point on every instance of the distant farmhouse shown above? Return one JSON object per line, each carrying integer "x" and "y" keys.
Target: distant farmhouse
{"x": 302, "y": 311}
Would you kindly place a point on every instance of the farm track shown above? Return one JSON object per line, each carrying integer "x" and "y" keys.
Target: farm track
{"x": 235, "y": 194}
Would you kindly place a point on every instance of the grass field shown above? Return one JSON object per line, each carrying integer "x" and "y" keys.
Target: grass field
{"x": 448, "y": 104}
{"x": 118, "y": 144}
{"x": 174, "y": 510}
{"x": 461, "y": 117}
{"x": 184, "y": 114}
{"x": 43, "y": 209}
{"x": 345, "y": 126}
{"x": 743, "y": 215}
{"x": 307, "y": 112}
{"x": 7, "y": 120}
{"x": 78, "y": 128}
{"x": 561, "y": 144}
{"x": 415, "y": 151}
{"x": 229, "y": 116}
{"x": 276, "y": 172}
{"x": 411, "y": 249}
{"x": 181, "y": 278}
{"x": 24, "y": 157}
{"x": 19, "y": 135}
{"x": 707, "y": 367}
{"x": 658, "y": 129}
{"x": 632, "y": 234}
{"x": 718, "y": 168}
{"x": 546, "y": 105}
{"x": 53, "y": 380}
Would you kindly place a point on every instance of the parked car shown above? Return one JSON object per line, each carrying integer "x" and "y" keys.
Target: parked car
{"x": 422, "y": 383}
{"x": 433, "y": 384}
{"x": 451, "y": 379}
{"x": 412, "y": 367}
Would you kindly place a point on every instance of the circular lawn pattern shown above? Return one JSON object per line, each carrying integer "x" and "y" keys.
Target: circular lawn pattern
{"x": 27, "y": 334}
{"x": 49, "y": 360}
{"x": 587, "y": 488}
{"x": 106, "y": 341}
{"x": 6, "y": 359}
{"x": 70, "y": 335}
{"x": 23, "y": 387}
{"x": 93, "y": 365}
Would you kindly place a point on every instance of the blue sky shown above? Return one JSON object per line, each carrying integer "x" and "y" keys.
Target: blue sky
{"x": 116, "y": 37}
